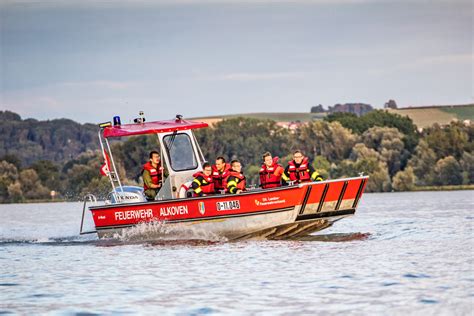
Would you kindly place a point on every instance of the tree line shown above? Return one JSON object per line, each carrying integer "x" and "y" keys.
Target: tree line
{"x": 387, "y": 147}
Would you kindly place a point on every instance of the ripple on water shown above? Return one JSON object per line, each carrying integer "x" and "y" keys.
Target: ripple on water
{"x": 202, "y": 311}
{"x": 416, "y": 276}
{"x": 45, "y": 295}
{"x": 426, "y": 269}
{"x": 390, "y": 283}
{"x": 428, "y": 301}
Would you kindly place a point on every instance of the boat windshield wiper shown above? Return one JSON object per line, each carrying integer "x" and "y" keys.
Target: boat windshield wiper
{"x": 171, "y": 141}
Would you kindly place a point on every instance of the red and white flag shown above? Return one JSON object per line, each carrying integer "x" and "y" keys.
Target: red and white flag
{"x": 105, "y": 169}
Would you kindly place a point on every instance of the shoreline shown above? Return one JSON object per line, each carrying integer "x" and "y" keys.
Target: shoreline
{"x": 464, "y": 187}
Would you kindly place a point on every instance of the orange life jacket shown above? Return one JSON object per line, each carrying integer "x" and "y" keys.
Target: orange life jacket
{"x": 269, "y": 177}
{"x": 207, "y": 186}
{"x": 155, "y": 173}
{"x": 220, "y": 179}
{"x": 301, "y": 173}
{"x": 241, "y": 177}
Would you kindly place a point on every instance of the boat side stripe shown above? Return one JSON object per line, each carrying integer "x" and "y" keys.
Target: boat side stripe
{"x": 359, "y": 193}
{"x": 204, "y": 218}
{"x": 305, "y": 200}
{"x": 341, "y": 196}
{"x": 323, "y": 196}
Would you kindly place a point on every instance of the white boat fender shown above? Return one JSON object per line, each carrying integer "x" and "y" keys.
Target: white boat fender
{"x": 185, "y": 190}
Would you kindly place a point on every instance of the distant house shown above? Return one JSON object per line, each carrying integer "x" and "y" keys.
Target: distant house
{"x": 292, "y": 126}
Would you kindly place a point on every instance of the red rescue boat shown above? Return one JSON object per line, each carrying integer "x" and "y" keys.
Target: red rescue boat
{"x": 278, "y": 213}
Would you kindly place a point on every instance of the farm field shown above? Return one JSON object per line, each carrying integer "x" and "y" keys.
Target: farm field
{"x": 278, "y": 117}
{"x": 462, "y": 112}
{"x": 421, "y": 116}
{"x": 427, "y": 116}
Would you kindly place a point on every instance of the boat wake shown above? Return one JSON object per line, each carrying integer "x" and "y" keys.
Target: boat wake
{"x": 49, "y": 241}
{"x": 159, "y": 232}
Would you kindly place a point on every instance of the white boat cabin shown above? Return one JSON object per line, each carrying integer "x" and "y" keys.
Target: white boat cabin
{"x": 180, "y": 155}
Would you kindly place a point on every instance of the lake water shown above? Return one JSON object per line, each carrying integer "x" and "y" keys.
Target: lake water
{"x": 402, "y": 253}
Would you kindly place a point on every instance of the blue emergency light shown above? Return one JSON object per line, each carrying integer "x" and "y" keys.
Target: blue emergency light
{"x": 117, "y": 121}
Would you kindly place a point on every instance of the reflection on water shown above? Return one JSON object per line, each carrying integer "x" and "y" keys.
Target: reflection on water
{"x": 336, "y": 237}
{"x": 400, "y": 253}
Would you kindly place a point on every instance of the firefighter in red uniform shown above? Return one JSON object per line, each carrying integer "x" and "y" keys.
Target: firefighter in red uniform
{"x": 236, "y": 179}
{"x": 271, "y": 172}
{"x": 152, "y": 173}
{"x": 300, "y": 170}
{"x": 203, "y": 183}
{"x": 220, "y": 172}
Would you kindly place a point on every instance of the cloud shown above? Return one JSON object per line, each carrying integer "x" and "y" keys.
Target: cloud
{"x": 103, "y": 84}
{"x": 246, "y": 76}
{"x": 137, "y": 3}
{"x": 447, "y": 59}
{"x": 429, "y": 61}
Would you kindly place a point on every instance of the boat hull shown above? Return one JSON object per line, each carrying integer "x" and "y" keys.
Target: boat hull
{"x": 278, "y": 213}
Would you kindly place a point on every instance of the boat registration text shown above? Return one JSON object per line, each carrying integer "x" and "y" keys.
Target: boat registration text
{"x": 228, "y": 205}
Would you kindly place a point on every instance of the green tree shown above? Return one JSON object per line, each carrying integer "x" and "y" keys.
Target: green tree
{"x": 448, "y": 172}
{"x": 322, "y": 166}
{"x": 379, "y": 118}
{"x": 100, "y": 187}
{"x": 404, "y": 180}
{"x": 349, "y": 120}
{"x": 361, "y": 151}
{"x": 13, "y": 159}
{"x": 133, "y": 153}
{"x": 423, "y": 162}
{"x": 48, "y": 173}
{"x": 369, "y": 165}
{"x": 31, "y": 185}
{"x": 80, "y": 173}
{"x": 389, "y": 144}
{"x": 370, "y": 162}
{"x": 328, "y": 139}
{"x": 467, "y": 163}
{"x": 15, "y": 194}
{"x": 8, "y": 176}
{"x": 244, "y": 139}
{"x": 451, "y": 140}
{"x": 252, "y": 174}
{"x": 56, "y": 140}
{"x": 379, "y": 178}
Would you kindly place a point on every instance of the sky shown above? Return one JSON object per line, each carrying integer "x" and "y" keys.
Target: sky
{"x": 90, "y": 60}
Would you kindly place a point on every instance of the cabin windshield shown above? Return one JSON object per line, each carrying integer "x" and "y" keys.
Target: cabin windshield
{"x": 180, "y": 151}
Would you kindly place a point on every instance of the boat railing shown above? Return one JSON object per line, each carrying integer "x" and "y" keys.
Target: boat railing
{"x": 88, "y": 198}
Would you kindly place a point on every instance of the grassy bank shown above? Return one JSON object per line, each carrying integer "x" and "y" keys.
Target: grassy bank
{"x": 444, "y": 187}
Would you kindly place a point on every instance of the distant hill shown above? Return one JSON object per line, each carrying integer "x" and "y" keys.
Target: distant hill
{"x": 277, "y": 117}
{"x": 57, "y": 140}
{"x": 62, "y": 139}
{"x": 422, "y": 116}
{"x": 425, "y": 116}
